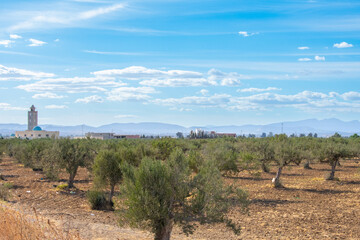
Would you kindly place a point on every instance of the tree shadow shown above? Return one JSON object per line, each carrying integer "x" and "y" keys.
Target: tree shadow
{"x": 272, "y": 202}
{"x": 351, "y": 182}
{"x": 10, "y": 176}
{"x": 320, "y": 191}
{"x": 248, "y": 178}
{"x": 18, "y": 187}
{"x": 292, "y": 174}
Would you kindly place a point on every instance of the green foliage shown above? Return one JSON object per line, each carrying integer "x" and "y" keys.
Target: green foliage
{"x": 5, "y": 191}
{"x": 97, "y": 200}
{"x": 107, "y": 170}
{"x": 160, "y": 193}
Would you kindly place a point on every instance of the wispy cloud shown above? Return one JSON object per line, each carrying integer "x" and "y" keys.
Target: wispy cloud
{"x": 8, "y": 107}
{"x": 47, "y": 95}
{"x": 303, "y": 48}
{"x": 130, "y": 93}
{"x": 259, "y": 89}
{"x": 90, "y": 99}
{"x": 343, "y": 45}
{"x": 173, "y": 78}
{"x": 246, "y": 34}
{"x": 125, "y": 116}
{"x": 7, "y": 74}
{"x": 36, "y": 43}
{"x": 56, "y": 106}
{"x": 71, "y": 85}
{"x": 15, "y": 36}
{"x": 6, "y": 43}
{"x": 304, "y": 59}
{"x": 319, "y": 58}
{"x": 51, "y": 19}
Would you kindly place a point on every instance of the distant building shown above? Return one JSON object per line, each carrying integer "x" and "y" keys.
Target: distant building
{"x": 34, "y": 131}
{"x": 105, "y": 136}
{"x": 127, "y": 136}
{"x": 102, "y": 136}
{"x": 32, "y": 118}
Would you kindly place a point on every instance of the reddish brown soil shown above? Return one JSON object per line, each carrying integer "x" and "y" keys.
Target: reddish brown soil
{"x": 308, "y": 208}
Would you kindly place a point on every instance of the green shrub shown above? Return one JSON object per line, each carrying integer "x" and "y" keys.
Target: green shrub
{"x": 4, "y": 192}
{"x": 98, "y": 200}
{"x": 62, "y": 186}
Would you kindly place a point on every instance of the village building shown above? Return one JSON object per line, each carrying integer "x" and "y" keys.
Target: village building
{"x": 34, "y": 131}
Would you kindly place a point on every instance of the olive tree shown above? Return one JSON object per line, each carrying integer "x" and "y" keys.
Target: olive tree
{"x": 331, "y": 151}
{"x": 107, "y": 170}
{"x": 159, "y": 194}
{"x": 73, "y": 154}
{"x": 287, "y": 150}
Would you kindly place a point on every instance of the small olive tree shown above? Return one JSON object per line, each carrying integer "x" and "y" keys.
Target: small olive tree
{"x": 287, "y": 151}
{"x": 159, "y": 194}
{"x": 331, "y": 151}
{"x": 73, "y": 154}
{"x": 107, "y": 171}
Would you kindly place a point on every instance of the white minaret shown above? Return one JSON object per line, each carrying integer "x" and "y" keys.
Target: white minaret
{"x": 32, "y": 118}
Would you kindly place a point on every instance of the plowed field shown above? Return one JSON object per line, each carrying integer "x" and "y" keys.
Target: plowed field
{"x": 307, "y": 208}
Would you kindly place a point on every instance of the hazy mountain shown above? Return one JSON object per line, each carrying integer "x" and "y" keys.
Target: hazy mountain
{"x": 325, "y": 127}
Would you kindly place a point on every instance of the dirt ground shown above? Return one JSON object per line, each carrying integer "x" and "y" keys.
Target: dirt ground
{"x": 307, "y": 208}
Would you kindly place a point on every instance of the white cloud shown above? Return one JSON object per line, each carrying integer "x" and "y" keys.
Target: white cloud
{"x": 303, "y": 48}
{"x": 94, "y": 98}
{"x": 57, "y": 40}
{"x": 7, "y": 74}
{"x": 226, "y": 79}
{"x": 259, "y": 89}
{"x": 351, "y": 96}
{"x": 130, "y": 93}
{"x": 204, "y": 92}
{"x": 36, "y": 43}
{"x": 343, "y": 45}
{"x": 217, "y": 100}
{"x": 15, "y": 36}
{"x": 56, "y": 107}
{"x": 246, "y": 34}
{"x": 173, "y": 78}
{"x": 304, "y": 59}
{"x": 318, "y": 58}
{"x": 125, "y": 116}
{"x": 8, "y": 107}
{"x": 139, "y": 73}
{"x": 48, "y": 95}
{"x": 53, "y": 19}
{"x": 177, "y": 82}
{"x": 6, "y": 43}
{"x": 71, "y": 85}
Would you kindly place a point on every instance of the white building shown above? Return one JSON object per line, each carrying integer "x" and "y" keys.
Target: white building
{"x": 35, "y": 131}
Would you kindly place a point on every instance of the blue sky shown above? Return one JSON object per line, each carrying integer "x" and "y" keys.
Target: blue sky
{"x": 198, "y": 62}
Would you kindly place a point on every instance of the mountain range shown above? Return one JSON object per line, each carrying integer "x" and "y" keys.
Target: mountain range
{"x": 323, "y": 128}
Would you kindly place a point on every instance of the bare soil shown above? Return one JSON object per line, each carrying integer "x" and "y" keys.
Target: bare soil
{"x": 307, "y": 208}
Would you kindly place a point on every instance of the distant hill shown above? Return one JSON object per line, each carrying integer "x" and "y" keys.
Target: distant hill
{"x": 325, "y": 127}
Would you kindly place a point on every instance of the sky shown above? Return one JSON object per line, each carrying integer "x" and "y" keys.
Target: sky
{"x": 186, "y": 62}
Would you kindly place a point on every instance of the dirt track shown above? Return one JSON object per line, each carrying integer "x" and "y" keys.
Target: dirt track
{"x": 308, "y": 208}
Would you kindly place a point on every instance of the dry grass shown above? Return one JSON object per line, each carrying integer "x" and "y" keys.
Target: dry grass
{"x": 17, "y": 226}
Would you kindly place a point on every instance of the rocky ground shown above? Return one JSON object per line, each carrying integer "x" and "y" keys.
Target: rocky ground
{"x": 307, "y": 208}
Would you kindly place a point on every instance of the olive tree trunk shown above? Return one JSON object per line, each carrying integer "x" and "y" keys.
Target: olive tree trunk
{"x": 276, "y": 181}
{"x": 71, "y": 178}
{"x": 331, "y": 175}
{"x": 164, "y": 232}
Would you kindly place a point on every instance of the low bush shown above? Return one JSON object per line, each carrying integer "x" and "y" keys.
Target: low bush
{"x": 98, "y": 200}
{"x": 5, "y": 191}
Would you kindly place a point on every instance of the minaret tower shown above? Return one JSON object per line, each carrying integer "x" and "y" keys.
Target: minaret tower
{"x": 32, "y": 118}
